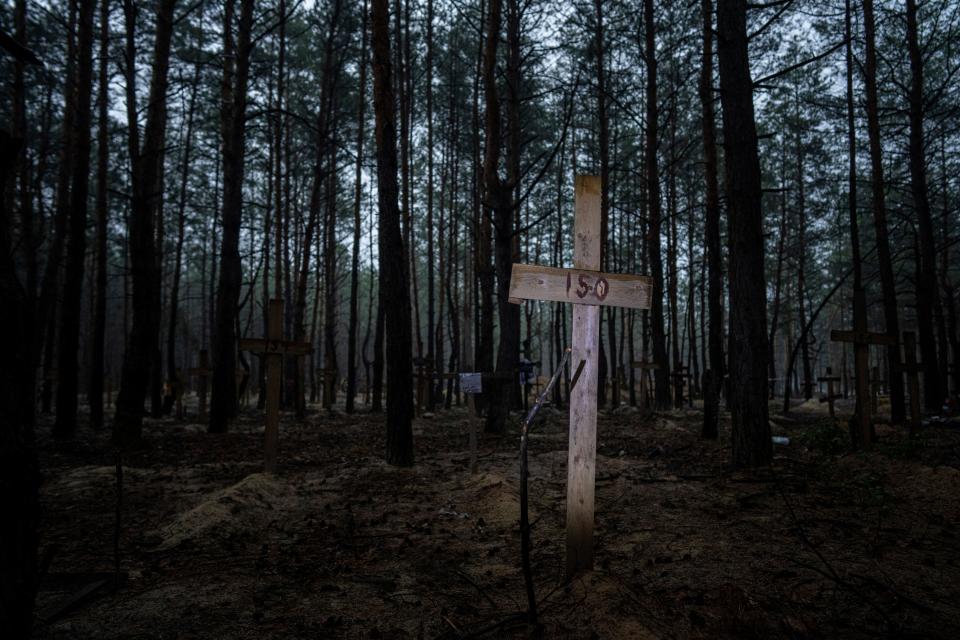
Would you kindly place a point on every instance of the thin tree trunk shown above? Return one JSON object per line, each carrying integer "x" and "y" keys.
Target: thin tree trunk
{"x": 173, "y": 373}
{"x": 223, "y": 405}
{"x": 95, "y": 382}
{"x": 393, "y": 264}
{"x": 878, "y": 184}
{"x": 927, "y": 293}
{"x": 662, "y": 373}
{"x": 352, "y": 327}
{"x": 141, "y": 348}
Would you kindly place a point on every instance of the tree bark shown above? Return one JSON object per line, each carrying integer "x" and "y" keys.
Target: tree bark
{"x": 393, "y": 263}
{"x": 750, "y": 440}
{"x": 352, "y": 323}
{"x": 224, "y": 401}
{"x": 927, "y": 293}
{"x": 711, "y": 231}
{"x": 662, "y": 373}
{"x": 141, "y": 348}
{"x": 98, "y": 339}
{"x": 878, "y": 190}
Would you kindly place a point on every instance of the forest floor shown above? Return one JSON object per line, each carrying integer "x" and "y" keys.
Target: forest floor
{"x": 823, "y": 544}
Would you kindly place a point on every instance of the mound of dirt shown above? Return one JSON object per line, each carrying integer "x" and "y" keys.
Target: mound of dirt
{"x": 239, "y": 511}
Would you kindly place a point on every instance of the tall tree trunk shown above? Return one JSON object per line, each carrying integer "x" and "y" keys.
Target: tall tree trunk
{"x": 50, "y": 285}
{"x": 711, "y": 394}
{"x": 393, "y": 264}
{"x": 141, "y": 348}
{"x": 352, "y": 323}
{"x": 173, "y": 373}
{"x": 223, "y": 404}
{"x": 878, "y": 185}
{"x": 928, "y": 295}
{"x": 661, "y": 374}
{"x": 750, "y": 440}
{"x": 95, "y": 382}
{"x": 499, "y": 198}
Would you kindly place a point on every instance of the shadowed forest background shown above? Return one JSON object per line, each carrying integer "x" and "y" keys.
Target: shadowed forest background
{"x": 784, "y": 171}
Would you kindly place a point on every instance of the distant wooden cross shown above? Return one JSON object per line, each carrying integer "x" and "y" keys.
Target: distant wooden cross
{"x": 680, "y": 377}
{"x": 328, "y": 376}
{"x": 587, "y": 289}
{"x": 911, "y": 367}
{"x": 202, "y": 372}
{"x": 644, "y": 366}
{"x": 861, "y": 349}
{"x": 830, "y": 379}
{"x": 273, "y": 348}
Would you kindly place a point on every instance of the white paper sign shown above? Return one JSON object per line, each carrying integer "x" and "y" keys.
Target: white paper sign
{"x": 471, "y": 383}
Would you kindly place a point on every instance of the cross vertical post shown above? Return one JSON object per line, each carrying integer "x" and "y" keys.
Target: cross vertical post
{"x": 582, "y": 451}
{"x": 271, "y": 433}
{"x": 829, "y": 379}
{"x": 911, "y": 367}
{"x": 862, "y": 435}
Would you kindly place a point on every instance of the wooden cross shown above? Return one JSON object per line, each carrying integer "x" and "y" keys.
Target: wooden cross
{"x": 202, "y": 372}
{"x": 679, "y": 379}
{"x": 586, "y": 288}
{"x": 911, "y": 367}
{"x": 830, "y": 379}
{"x": 644, "y": 366}
{"x": 328, "y": 376}
{"x": 861, "y": 348}
{"x": 273, "y": 348}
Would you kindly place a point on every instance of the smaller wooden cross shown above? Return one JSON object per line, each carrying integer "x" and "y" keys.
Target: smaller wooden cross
{"x": 328, "y": 376}
{"x": 202, "y": 373}
{"x": 911, "y": 367}
{"x": 861, "y": 346}
{"x": 830, "y": 379}
{"x": 680, "y": 376}
{"x": 272, "y": 349}
{"x": 108, "y": 383}
{"x": 644, "y": 366}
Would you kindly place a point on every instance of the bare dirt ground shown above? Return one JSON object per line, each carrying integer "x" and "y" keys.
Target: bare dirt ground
{"x": 824, "y": 544}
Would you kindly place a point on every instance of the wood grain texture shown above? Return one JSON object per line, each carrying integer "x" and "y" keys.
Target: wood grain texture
{"x": 580, "y": 286}
{"x": 582, "y": 448}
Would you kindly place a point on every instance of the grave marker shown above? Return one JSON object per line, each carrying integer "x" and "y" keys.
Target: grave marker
{"x": 273, "y": 348}
{"x": 830, "y": 379}
{"x": 644, "y": 366}
{"x": 911, "y": 367}
{"x": 861, "y": 348}
{"x": 587, "y": 288}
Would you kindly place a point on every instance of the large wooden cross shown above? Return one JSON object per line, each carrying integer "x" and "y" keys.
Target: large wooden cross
{"x": 273, "y": 348}
{"x": 861, "y": 348}
{"x": 587, "y": 288}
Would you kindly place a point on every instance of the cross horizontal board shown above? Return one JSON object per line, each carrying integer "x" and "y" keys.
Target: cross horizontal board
{"x": 275, "y": 346}
{"x": 862, "y": 337}
{"x": 581, "y": 286}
